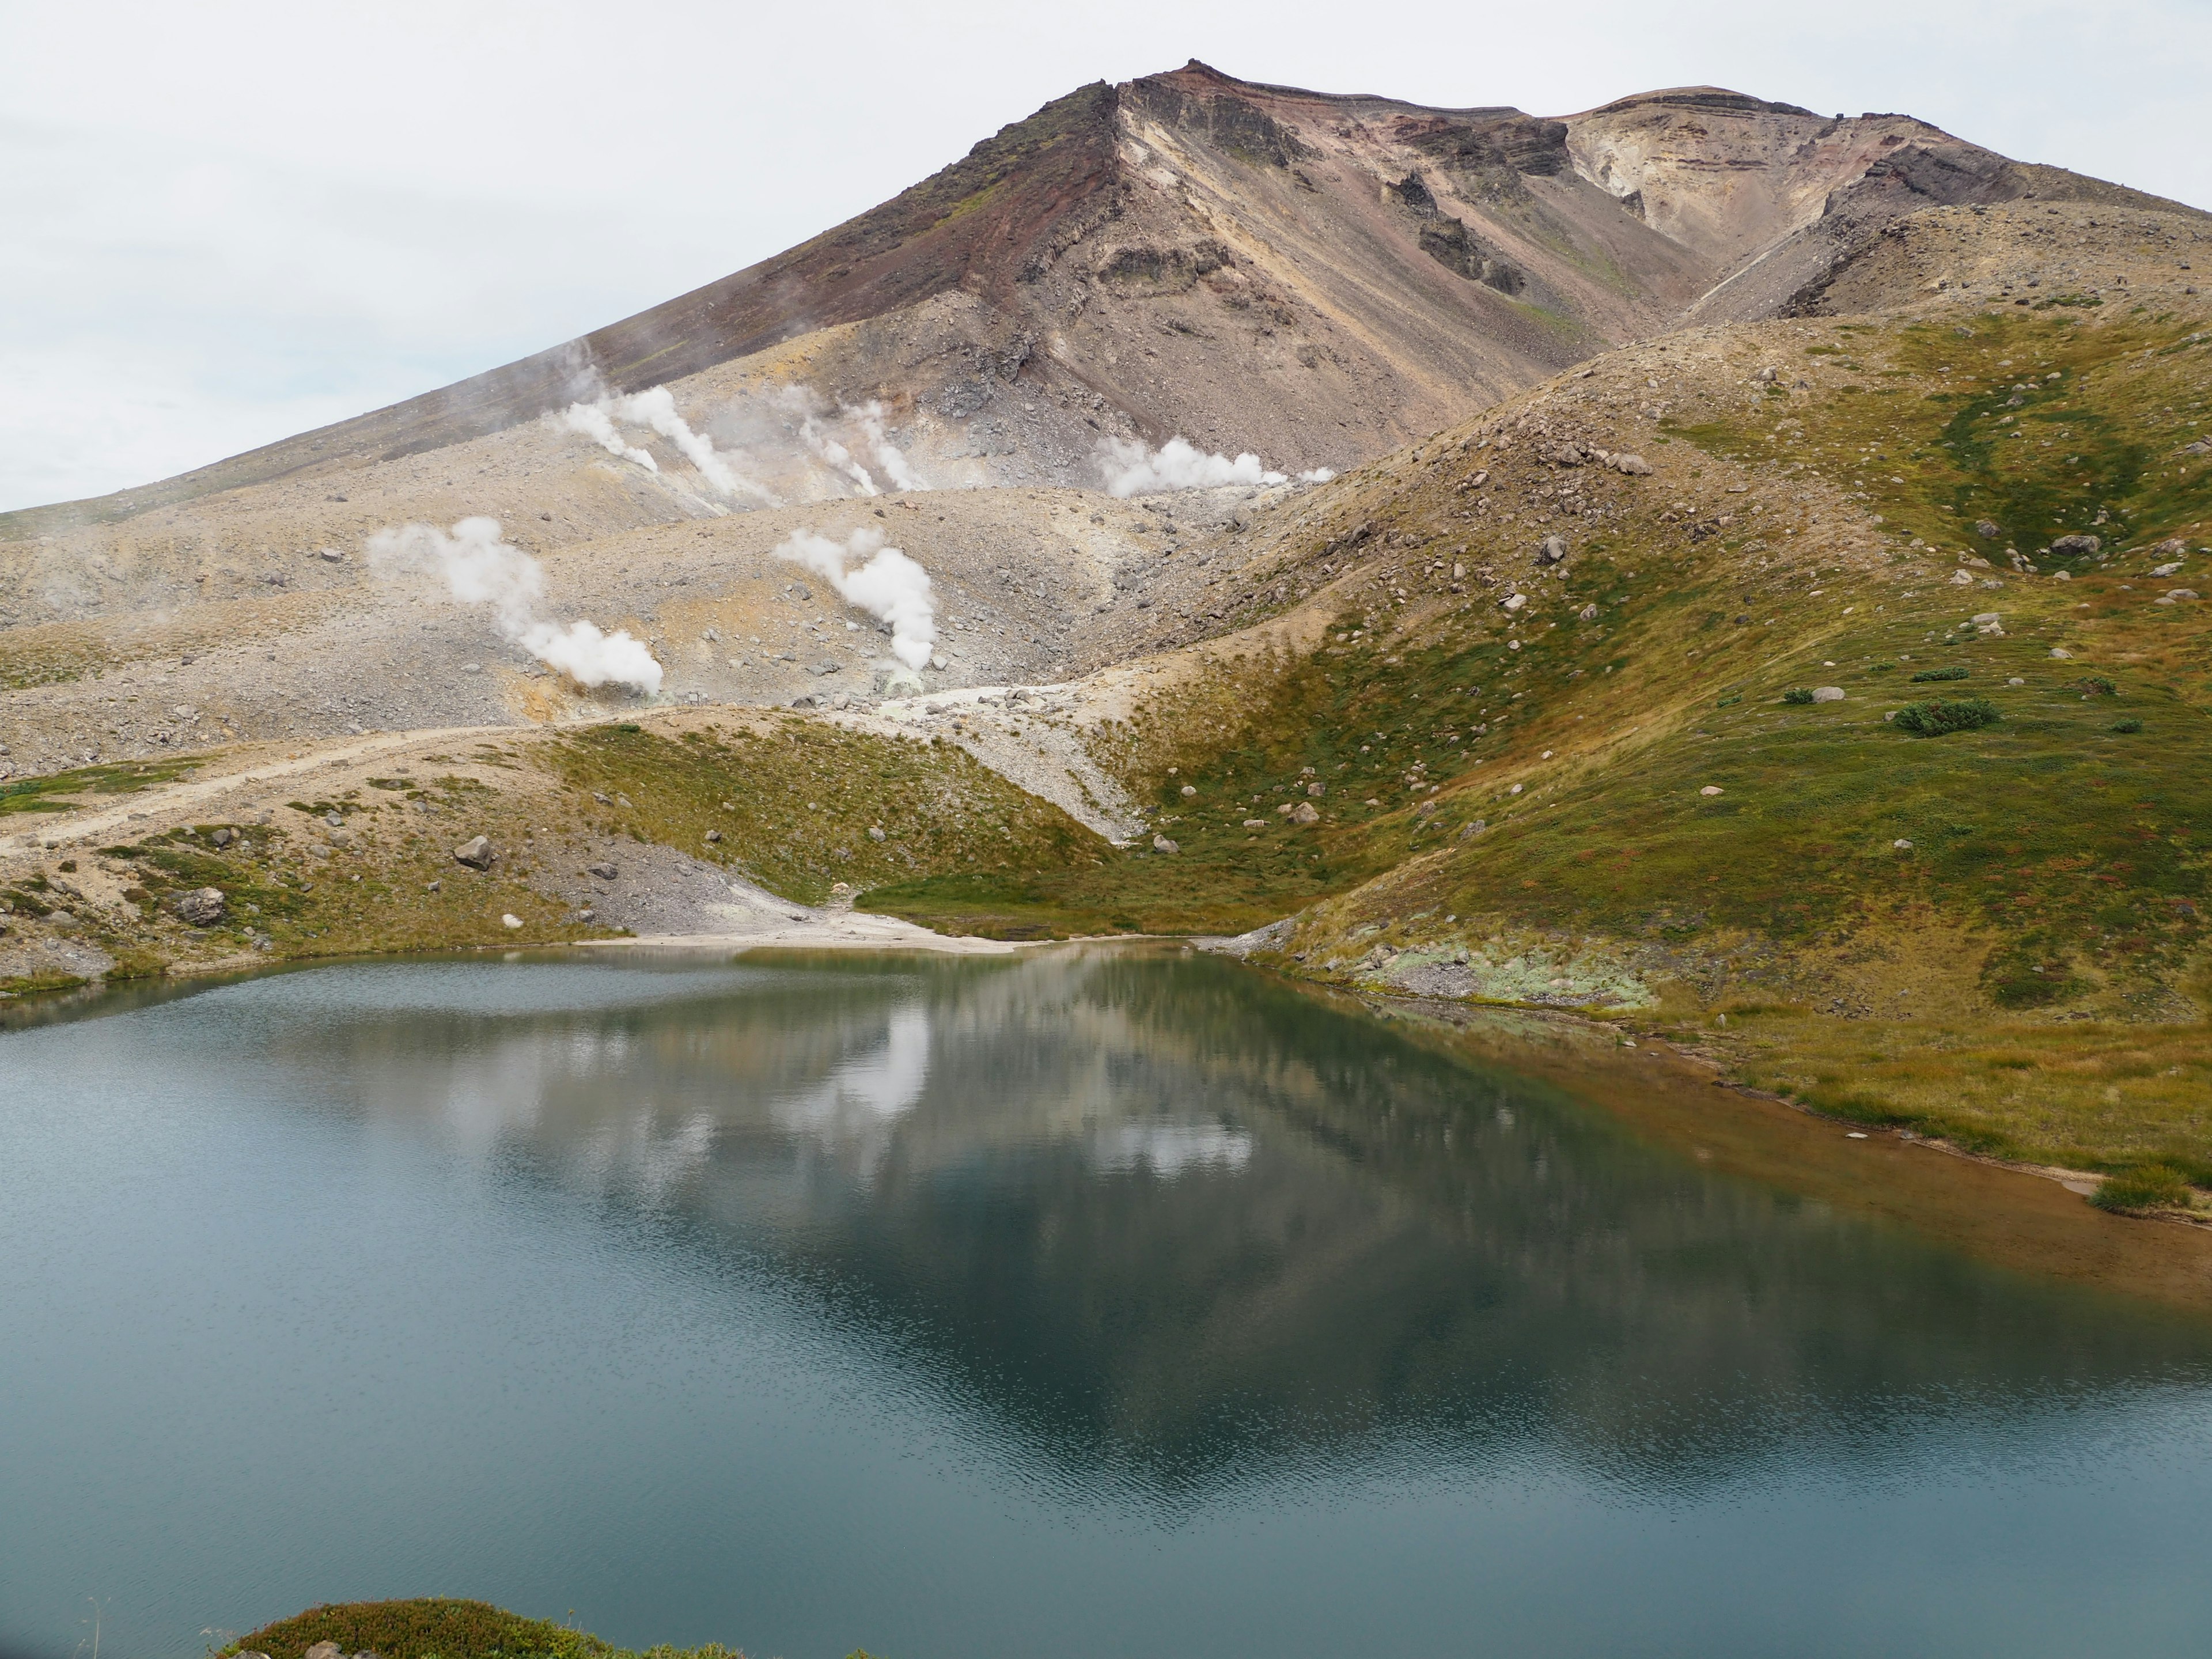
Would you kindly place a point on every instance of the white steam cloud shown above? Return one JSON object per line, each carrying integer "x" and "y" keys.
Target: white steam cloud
{"x": 870, "y": 418}
{"x": 479, "y": 568}
{"x": 591, "y": 420}
{"x": 1133, "y": 469}
{"x": 656, "y": 407}
{"x": 889, "y": 586}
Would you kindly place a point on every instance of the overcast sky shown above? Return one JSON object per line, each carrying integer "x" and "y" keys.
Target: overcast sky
{"x": 229, "y": 221}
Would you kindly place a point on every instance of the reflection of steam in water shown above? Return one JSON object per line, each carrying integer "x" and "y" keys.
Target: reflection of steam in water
{"x": 1178, "y": 1227}
{"x": 1168, "y": 1149}
{"x": 853, "y": 1109}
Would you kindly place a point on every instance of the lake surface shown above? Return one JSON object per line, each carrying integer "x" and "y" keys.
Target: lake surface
{"x": 1086, "y": 1304}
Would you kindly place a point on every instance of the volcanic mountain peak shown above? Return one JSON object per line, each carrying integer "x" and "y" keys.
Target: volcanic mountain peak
{"x": 1311, "y": 277}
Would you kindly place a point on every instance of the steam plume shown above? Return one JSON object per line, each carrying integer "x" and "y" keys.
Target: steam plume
{"x": 838, "y": 457}
{"x": 870, "y": 417}
{"x": 1132, "y": 469}
{"x": 479, "y": 568}
{"x": 656, "y": 407}
{"x": 890, "y": 586}
{"x": 591, "y": 420}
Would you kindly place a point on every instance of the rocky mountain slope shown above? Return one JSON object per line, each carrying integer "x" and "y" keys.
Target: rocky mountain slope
{"x": 1313, "y": 277}
{"x": 1818, "y": 677}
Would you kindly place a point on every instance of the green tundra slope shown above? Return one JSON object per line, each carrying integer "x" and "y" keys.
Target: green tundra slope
{"x": 1966, "y": 895}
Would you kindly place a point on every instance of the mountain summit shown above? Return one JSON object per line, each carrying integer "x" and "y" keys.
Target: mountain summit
{"x": 1312, "y": 276}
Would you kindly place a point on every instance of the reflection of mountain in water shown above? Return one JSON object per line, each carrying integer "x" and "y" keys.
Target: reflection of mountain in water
{"x": 1167, "y": 1219}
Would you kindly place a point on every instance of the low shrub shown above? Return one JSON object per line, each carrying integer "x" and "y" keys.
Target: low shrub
{"x": 435, "y": 1627}
{"x": 1956, "y": 672}
{"x": 1798, "y": 693}
{"x": 2146, "y": 1186}
{"x": 1935, "y": 719}
{"x": 2127, "y": 725}
{"x": 2096, "y": 686}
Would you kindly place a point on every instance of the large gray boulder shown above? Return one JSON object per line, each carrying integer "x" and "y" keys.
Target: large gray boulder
{"x": 476, "y": 852}
{"x": 202, "y": 908}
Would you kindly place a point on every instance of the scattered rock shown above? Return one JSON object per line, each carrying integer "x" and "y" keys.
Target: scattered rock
{"x": 1305, "y": 813}
{"x": 510, "y": 921}
{"x": 1711, "y": 789}
{"x": 476, "y": 852}
{"x": 324, "y": 1651}
{"x": 1161, "y": 844}
{"x": 1317, "y": 789}
{"x": 1189, "y": 792}
{"x": 875, "y": 832}
{"x": 331, "y": 553}
{"x": 1902, "y": 845}
{"x": 713, "y": 836}
{"x": 1552, "y": 552}
{"x": 202, "y": 908}
{"x": 603, "y": 871}
{"x": 1634, "y": 465}
{"x": 2075, "y": 547}
{"x": 1513, "y": 601}
{"x": 1827, "y": 694}
{"x": 1987, "y": 528}
{"x": 1469, "y": 831}
{"x": 1588, "y": 613}
{"x": 1262, "y": 824}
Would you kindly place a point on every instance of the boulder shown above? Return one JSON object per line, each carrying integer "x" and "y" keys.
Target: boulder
{"x": 1256, "y": 823}
{"x": 510, "y": 921}
{"x": 1986, "y": 528}
{"x": 603, "y": 871}
{"x": 1317, "y": 789}
{"x": 1161, "y": 844}
{"x": 1189, "y": 792}
{"x": 713, "y": 836}
{"x": 476, "y": 852}
{"x": 2075, "y": 547}
{"x": 202, "y": 909}
{"x": 1634, "y": 465}
{"x": 1554, "y": 549}
{"x": 1827, "y": 694}
{"x": 324, "y": 1651}
{"x": 1305, "y": 813}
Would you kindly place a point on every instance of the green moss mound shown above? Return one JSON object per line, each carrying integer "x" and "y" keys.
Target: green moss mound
{"x": 439, "y": 1627}
{"x": 1940, "y": 717}
{"x": 431, "y": 1627}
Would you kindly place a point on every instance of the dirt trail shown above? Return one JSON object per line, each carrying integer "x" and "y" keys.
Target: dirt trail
{"x": 170, "y": 802}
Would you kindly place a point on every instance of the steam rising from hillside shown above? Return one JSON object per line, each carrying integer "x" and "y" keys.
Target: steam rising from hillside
{"x": 479, "y": 568}
{"x": 889, "y": 456}
{"x": 656, "y": 407}
{"x": 1133, "y": 469}
{"x": 593, "y": 421}
{"x": 890, "y": 586}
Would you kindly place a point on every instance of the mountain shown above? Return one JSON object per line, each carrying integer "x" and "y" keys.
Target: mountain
{"x": 1312, "y": 277}
{"x": 1760, "y": 603}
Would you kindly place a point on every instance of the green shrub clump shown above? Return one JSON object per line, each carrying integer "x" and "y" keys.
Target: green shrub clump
{"x": 2128, "y": 724}
{"x": 1933, "y": 720}
{"x": 1957, "y": 672}
{"x": 439, "y": 1628}
{"x": 2146, "y": 1186}
{"x": 2096, "y": 686}
{"x": 1798, "y": 693}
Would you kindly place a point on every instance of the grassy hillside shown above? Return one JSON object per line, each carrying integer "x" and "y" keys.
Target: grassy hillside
{"x": 1993, "y": 932}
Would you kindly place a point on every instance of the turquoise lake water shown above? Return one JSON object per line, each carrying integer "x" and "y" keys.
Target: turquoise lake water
{"x": 1086, "y": 1304}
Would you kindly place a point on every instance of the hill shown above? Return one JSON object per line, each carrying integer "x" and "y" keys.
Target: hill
{"x": 1815, "y": 678}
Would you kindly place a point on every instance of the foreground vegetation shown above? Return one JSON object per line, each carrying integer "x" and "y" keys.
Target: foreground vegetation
{"x": 439, "y": 1628}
